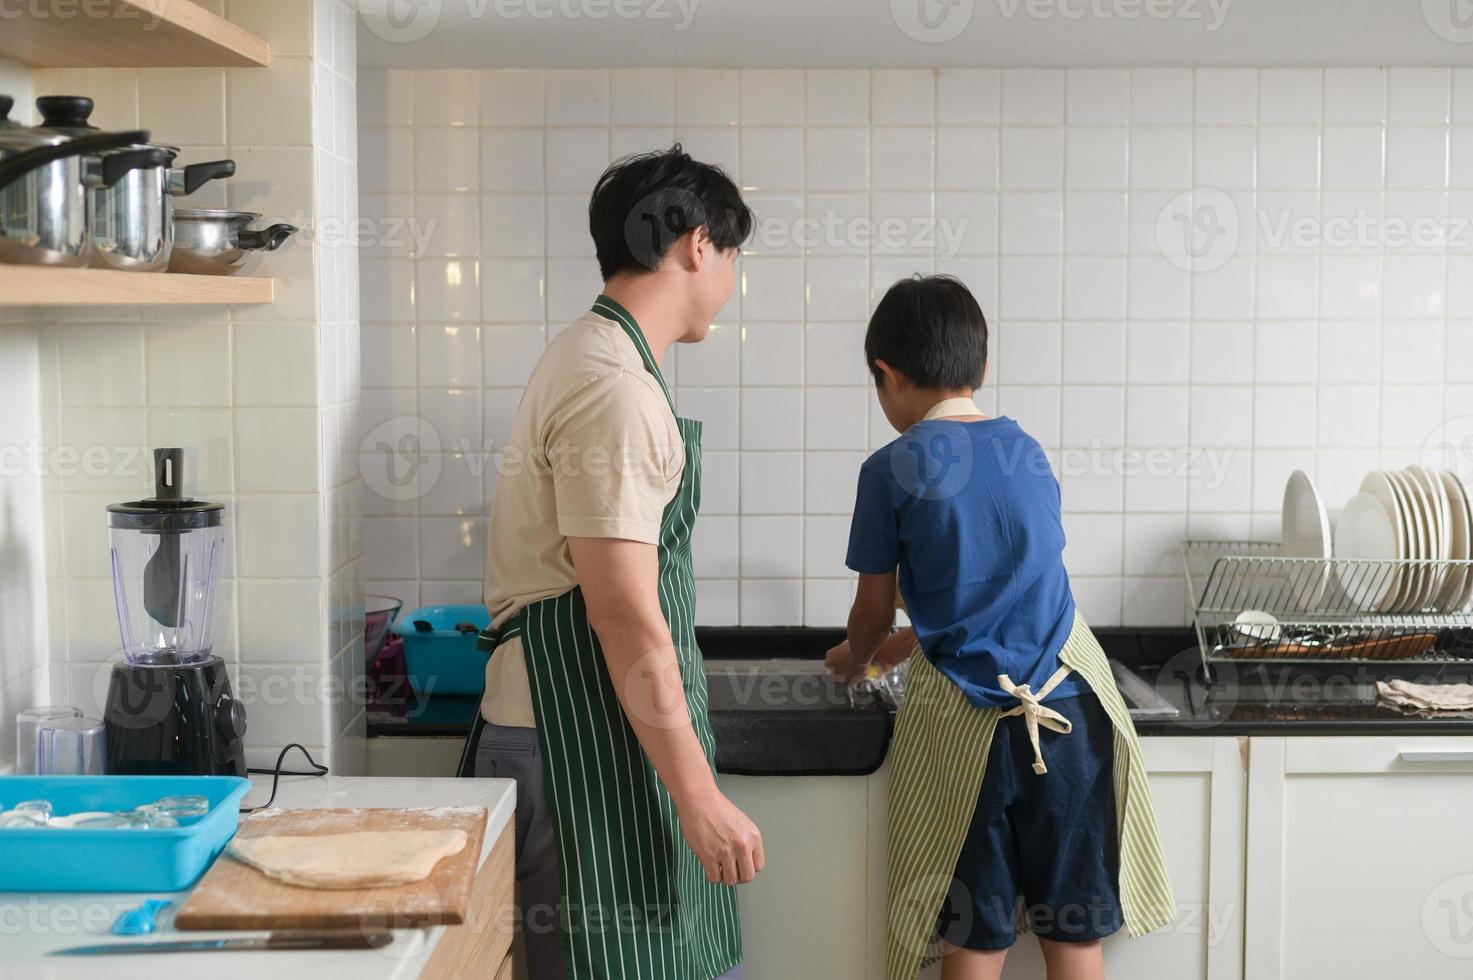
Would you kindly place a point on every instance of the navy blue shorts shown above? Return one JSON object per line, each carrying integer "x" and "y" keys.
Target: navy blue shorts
{"x": 1048, "y": 843}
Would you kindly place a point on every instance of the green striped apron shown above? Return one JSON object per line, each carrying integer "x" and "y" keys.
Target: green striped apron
{"x": 938, "y": 760}
{"x": 636, "y": 904}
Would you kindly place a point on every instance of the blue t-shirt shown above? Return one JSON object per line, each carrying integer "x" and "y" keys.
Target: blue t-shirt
{"x": 969, "y": 511}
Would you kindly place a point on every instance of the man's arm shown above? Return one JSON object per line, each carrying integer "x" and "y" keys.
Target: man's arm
{"x": 620, "y": 586}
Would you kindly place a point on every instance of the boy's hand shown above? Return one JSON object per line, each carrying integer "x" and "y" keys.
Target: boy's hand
{"x": 841, "y": 663}
{"x": 896, "y": 649}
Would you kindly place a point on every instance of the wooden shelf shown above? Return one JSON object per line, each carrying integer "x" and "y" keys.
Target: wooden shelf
{"x": 128, "y": 34}
{"x": 30, "y": 285}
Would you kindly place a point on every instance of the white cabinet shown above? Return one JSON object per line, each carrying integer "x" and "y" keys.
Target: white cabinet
{"x": 819, "y": 908}
{"x": 807, "y": 914}
{"x": 1360, "y": 858}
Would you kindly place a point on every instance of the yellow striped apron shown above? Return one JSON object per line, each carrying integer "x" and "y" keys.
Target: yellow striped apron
{"x": 938, "y": 760}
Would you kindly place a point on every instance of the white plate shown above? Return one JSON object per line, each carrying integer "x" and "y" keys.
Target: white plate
{"x": 1437, "y": 502}
{"x": 1454, "y": 596}
{"x": 1420, "y": 518}
{"x": 1365, "y": 531}
{"x": 1379, "y": 485}
{"x": 1441, "y": 511}
{"x": 1306, "y": 534}
{"x": 1257, "y": 625}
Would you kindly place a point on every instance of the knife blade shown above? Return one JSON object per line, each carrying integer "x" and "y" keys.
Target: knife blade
{"x": 294, "y": 939}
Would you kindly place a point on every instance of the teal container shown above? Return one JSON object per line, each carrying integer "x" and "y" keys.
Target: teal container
{"x": 442, "y": 659}
{"x": 123, "y": 860}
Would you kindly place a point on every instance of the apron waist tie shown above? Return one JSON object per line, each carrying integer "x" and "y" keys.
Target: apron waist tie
{"x": 1035, "y": 713}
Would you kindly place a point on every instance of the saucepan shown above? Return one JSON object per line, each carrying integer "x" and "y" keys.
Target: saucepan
{"x": 46, "y": 182}
{"x": 132, "y": 219}
{"x": 222, "y": 243}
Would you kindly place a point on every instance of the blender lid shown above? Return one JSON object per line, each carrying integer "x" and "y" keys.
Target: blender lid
{"x": 168, "y": 509}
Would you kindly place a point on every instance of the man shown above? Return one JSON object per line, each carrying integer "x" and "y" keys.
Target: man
{"x": 595, "y": 693}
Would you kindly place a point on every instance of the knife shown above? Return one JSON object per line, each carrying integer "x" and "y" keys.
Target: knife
{"x": 285, "y": 939}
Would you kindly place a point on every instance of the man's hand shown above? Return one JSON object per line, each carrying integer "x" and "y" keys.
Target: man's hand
{"x": 727, "y": 844}
{"x": 841, "y": 663}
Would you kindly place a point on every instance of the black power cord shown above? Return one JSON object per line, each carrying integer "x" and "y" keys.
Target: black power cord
{"x": 276, "y": 772}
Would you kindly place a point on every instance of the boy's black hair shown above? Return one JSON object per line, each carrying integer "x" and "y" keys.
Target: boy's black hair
{"x": 646, "y": 201}
{"x": 930, "y": 329}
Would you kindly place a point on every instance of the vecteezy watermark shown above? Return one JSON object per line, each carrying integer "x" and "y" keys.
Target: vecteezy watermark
{"x": 1199, "y": 230}
{"x": 1450, "y": 446}
{"x": 1211, "y": 13}
{"x": 406, "y": 21}
{"x": 833, "y": 231}
{"x": 148, "y": 11}
{"x": 400, "y": 459}
{"x": 931, "y": 21}
{"x": 1451, "y": 20}
{"x": 1447, "y": 917}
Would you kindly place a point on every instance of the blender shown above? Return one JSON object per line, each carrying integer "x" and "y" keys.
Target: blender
{"x": 169, "y": 710}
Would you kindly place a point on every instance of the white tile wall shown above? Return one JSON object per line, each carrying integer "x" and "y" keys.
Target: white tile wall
{"x": 24, "y": 638}
{"x": 266, "y": 396}
{"x": 1174, "y": 390}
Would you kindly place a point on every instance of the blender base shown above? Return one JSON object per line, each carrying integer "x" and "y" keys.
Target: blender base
{"x": 174, "y": 720}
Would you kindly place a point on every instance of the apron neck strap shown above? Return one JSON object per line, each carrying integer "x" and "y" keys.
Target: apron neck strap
{"x": 950, "y": 407}
{"x": 606, "y": 307}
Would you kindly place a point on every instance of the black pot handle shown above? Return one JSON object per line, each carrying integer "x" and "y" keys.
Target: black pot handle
{"x": 196, "y": 175}
{"x": 267, "y": 239}
{"x": 116, "y": 165}
{"x": 15, "y": 167}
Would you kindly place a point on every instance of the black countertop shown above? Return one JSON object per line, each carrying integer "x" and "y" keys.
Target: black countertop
{"x": 806, "y": 726}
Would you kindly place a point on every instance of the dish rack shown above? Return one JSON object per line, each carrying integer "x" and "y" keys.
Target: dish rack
{"x": 1317, "y": 606}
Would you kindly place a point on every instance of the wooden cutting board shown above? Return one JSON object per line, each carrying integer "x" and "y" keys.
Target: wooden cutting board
{"x": 233, "y": 895}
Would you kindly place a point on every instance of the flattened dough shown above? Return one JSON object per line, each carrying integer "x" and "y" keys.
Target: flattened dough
{"x": 363, "y": 859}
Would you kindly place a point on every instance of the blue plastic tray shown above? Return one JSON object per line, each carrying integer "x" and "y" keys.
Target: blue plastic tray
{"x": 442, "y": 661}
{"x": 123, "y": 860}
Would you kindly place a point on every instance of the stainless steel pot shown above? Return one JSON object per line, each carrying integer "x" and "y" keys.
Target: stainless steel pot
{"x": 221, "y": 243}
{"x": 45, "y": 182}
{"x": 132, "y": 219}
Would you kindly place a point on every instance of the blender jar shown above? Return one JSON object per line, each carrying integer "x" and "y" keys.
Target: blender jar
{"x": 166, "y": 555}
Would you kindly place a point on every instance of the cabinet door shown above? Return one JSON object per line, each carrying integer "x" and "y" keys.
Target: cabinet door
{"x": 1198, "y": 788}
{"x": 804, "y": 916}
{"x": 1360, "y": 858}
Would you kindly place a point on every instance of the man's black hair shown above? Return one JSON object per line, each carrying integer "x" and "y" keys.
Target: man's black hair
{"x": 644, "y": 202}
{"x": 930, "y": 329}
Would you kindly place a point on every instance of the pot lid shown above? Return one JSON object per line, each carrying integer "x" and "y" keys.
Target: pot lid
{"x": 168, "y": 509}
{"x": 213, "y": 214}
{"x": 18, "y": 136}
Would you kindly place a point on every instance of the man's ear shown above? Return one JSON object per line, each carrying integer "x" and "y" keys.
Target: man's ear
{"x": 701, "y": 250}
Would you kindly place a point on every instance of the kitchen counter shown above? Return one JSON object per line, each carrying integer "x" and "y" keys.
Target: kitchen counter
{"x": 1294, "y": 698}
{"x": 789, "y": 723}
{"x": 32, "y": 925}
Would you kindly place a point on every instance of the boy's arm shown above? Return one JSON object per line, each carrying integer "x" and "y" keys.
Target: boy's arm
{"x": 871, "y": 617}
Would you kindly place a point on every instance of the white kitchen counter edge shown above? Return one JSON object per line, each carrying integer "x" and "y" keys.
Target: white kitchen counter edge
{"x": 32, "y": 925}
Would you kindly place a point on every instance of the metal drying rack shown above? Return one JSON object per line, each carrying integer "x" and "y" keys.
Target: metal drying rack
{"x": 1403, "y": 610}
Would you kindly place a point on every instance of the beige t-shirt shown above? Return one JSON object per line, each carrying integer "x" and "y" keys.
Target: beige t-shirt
{"x": 594, "y": 452}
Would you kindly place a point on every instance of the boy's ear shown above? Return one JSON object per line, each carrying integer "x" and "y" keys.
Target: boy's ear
{"x": 891, "y": 376}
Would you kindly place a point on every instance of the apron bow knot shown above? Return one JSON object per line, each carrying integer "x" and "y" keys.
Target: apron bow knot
{"x": 1035, "y": 713}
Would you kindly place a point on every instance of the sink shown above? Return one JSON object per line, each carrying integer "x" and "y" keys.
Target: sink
{"x": 791, "y": 717}
{"x": 1142, "y": 700}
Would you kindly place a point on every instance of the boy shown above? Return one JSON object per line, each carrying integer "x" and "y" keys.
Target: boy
{"x": 987, "y": 813}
